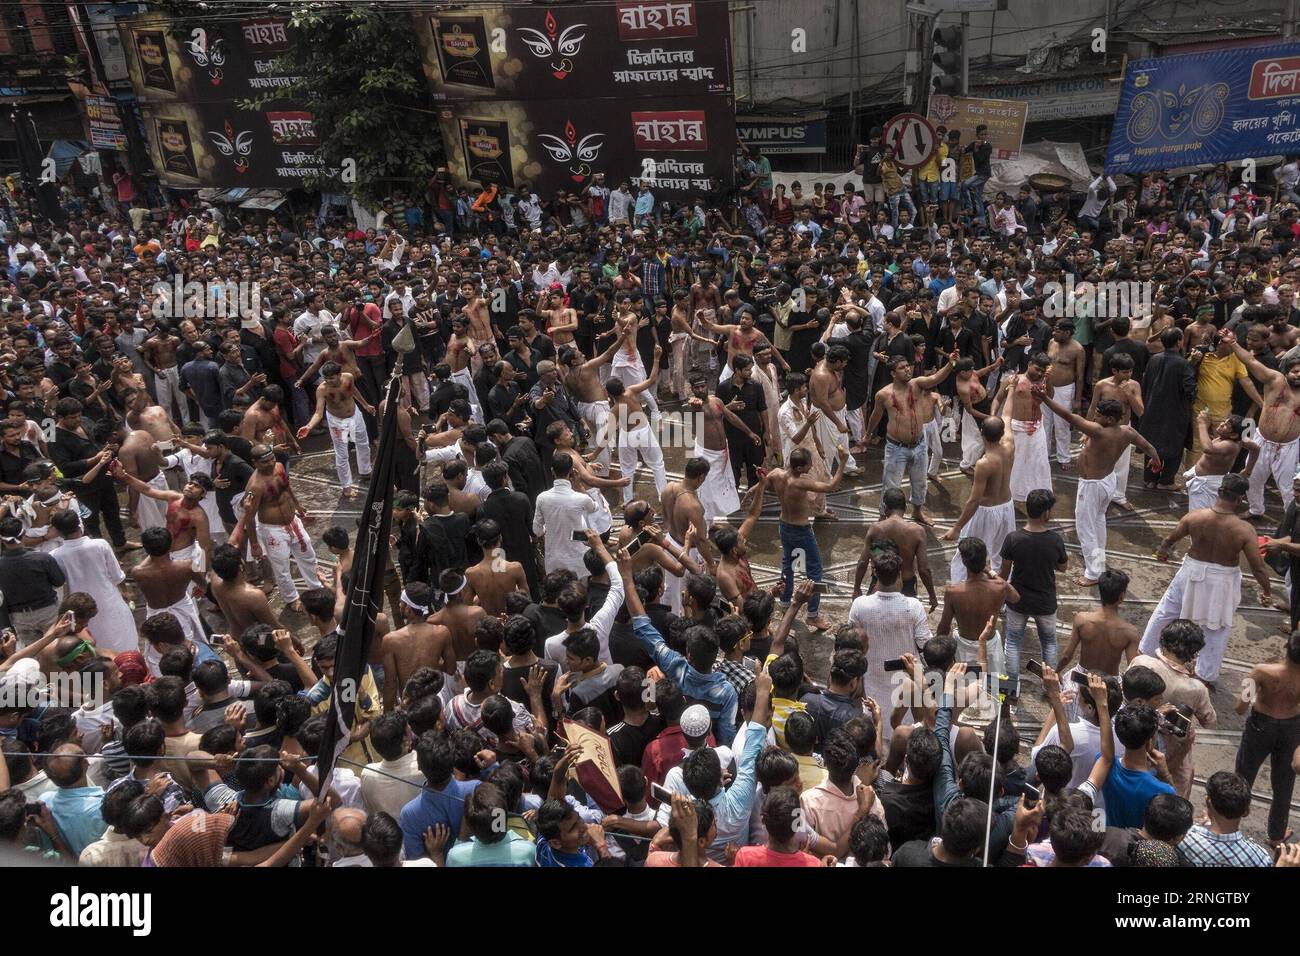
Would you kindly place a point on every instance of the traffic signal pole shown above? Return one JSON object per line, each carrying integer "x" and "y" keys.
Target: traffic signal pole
{"x": 965, "y": 54}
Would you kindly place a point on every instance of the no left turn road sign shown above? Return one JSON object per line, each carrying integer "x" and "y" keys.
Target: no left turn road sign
{"x": 912, "y": 139}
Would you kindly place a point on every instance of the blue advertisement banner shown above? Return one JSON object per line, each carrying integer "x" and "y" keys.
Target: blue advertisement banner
{"x": 779, "y": 135}
{"x": 1206, "y": 108}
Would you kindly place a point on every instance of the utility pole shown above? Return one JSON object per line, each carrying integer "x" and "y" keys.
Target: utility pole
{"x": 1288, "y": 19}
{"x": 965, "y": 53}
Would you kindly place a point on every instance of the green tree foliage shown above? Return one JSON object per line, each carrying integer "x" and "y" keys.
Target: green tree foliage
{"x": 362, "y": 77}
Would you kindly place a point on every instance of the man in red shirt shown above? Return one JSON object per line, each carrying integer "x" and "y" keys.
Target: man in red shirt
{"x": 669, "y": 748}
{"x": 289, "y": 351}
{"x": 782, "y": 817}
{"x": 363, "y": 320}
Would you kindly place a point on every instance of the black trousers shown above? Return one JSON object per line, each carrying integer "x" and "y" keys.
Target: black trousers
{"x": 1276, "y": 740}
{"x": 745, "y": 455}
{"x": 101, "y": 499}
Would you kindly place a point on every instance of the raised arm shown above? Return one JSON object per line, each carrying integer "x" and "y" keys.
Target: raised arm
{"x": 1257, "y": 369}
{"x": 927, "y": 382}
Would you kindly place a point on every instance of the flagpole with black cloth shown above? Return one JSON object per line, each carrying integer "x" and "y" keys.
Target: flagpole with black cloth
{"x": 366, "y": 587}
{"x": 31, "y": 163}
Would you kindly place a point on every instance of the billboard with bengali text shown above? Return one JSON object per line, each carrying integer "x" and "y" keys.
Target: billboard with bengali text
{"x": 1207, "y": 107}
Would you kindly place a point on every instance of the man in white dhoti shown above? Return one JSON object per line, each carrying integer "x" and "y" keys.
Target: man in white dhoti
{"x": 632, "y": 432}
{"x": 91, "y": 567}
{"x": 718, "y": 493}
{"x": 628, "y": 367}
{"x": 1207, "y": 588}
{"x": 1066, "y": 377}
{"x": 989, "y": 513}
{"x": 166, "y": 583}
{"x": 1031, "y": 469}
{"x": 1279, "y": 424}
{"x": 1219, "y": 451}
{"x": 1105, "y": 438}
{"x": 765, "y": 374}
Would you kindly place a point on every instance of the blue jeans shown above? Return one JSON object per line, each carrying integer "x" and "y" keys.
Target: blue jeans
{"x": 915, "y": 461}
{"x": 904, "y": 198}
{"x": 972, "y": 194}
{"x": 1016, "y": 623}
{"x": 796, "y": 537}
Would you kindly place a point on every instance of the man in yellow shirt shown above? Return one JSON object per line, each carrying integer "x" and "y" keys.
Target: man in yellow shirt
{"x": 928, "y": 177}
{"x": 1217, "y": 368}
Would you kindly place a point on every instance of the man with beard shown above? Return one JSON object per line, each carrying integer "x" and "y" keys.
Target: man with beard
{"x": 1279, "y": 425}
{"x": 1169, "y": 384}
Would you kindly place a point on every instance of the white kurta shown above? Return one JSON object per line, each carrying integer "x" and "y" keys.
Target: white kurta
{"x": 92, "y": 568}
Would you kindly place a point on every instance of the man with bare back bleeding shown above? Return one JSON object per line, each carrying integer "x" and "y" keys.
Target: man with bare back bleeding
{"x": 272, "y": 520}
{"x": 909, "y": 405}
{"x": 1279, "y": 425}
{"x": 339, "y": 401}
{"x": 988, "y": 513}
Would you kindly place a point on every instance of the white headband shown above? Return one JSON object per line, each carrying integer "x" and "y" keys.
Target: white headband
{"x": 406, "y": 599}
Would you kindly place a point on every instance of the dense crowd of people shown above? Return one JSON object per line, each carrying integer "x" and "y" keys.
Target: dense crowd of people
{"x": 576, "y": 669}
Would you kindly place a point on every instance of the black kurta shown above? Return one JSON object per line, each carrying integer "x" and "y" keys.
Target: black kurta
{"x": 1168, "y": 388}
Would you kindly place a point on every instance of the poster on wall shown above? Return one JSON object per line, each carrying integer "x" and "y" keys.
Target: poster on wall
{"x": 198, "y": 61}
{"x": 215, "y": 144}
{"x": 682, "y": 145}
{"x": 623, "y": 49}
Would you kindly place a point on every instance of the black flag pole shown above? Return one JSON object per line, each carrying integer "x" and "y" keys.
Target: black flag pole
{"x": 366, "y": 586}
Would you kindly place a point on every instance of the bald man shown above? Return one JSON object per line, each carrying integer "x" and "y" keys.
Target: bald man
{"x": 343, "y": 837}
{"x": 74, "y": 804}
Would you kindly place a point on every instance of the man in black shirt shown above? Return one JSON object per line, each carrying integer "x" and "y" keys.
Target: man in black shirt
{"x": 1138, "y": 351}
{"x": 1031, "y": 558}
{"x": 513, "y": 511}
{"x": 27, "y": 580}
{"x": 740, "y": 388}
{"x": 230, "y": 475}
{"x": 521, "y": 457}
{"x": 972, "y": 189}
{"x": 909, "y": 800}
{"x": 80, "y": 457}
{"x": 15, "y": 455}
{"x": 549, "y": 402}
